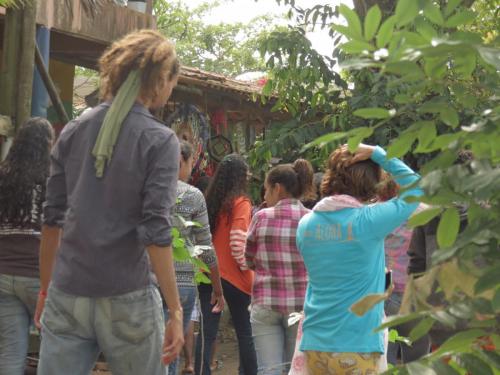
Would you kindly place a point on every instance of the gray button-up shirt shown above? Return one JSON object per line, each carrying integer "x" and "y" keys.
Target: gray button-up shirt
{"x": 107, "y": 222}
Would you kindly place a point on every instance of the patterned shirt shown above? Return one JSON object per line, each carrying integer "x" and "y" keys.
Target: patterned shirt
{"x": 19, "y": 244}
{"x": 396, "y": 258}
{"x": 280, "y": 275}
{"x": 191, "y": 206}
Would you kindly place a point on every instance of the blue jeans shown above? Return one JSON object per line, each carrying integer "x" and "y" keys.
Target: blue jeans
{"x": 18, "y": 297}
{"x": 208, "y": 332}
{"x": 187, "y": 296}
{"x": 128, "y": 329}
{"x": 274, "y": 340}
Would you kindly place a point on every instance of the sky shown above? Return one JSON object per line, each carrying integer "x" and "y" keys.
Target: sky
{"x": 245, "y": 10}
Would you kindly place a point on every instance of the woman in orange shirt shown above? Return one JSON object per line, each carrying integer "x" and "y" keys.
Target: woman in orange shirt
{"x": 229, "y": 212}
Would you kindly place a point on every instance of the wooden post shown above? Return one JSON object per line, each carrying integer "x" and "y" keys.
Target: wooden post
{"x": 10, "y": 59}
{"x": 51, "y": 88}
{"x": 26, "y": 63}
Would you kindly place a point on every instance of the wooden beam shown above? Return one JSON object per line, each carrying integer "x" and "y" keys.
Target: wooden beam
{"x": 26, "y": 64}
{"x": 10, "y": 59}
{"x": 51, "y": 88}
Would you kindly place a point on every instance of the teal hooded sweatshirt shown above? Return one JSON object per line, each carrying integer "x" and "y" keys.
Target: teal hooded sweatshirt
{"x": 342, "y": 243}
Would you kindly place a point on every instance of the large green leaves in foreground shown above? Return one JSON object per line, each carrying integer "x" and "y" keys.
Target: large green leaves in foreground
{"x": 423, "y": 83}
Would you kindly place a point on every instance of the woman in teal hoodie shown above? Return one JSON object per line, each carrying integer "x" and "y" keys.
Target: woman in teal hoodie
{"x": 342, "y": 243}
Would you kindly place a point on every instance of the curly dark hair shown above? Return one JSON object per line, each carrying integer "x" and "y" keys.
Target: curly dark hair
{"x": 228, "y": 183}
{"x": 25, "y": 168}
{"x": 359, "y": 180}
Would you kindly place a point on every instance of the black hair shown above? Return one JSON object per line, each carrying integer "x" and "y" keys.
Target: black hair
{"x": 296, "y": 178}
{"x": 202, "y": 183}
{"x": 25, "y": 169}
{"x": 228, "y": 183}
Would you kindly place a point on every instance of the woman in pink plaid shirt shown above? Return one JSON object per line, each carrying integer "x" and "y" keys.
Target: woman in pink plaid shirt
{"x": 280, "y": 275}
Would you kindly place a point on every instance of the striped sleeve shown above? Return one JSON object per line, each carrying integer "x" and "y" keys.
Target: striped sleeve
{"x": 241, "y": 214}
{"x": 251, "y": 241}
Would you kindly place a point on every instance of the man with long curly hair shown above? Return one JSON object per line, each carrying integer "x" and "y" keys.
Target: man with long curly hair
{"x": 111, "y": 188}
{"x": 22, "y": 191}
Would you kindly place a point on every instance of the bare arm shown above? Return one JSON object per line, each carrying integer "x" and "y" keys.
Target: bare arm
{"x": 217, "y": 296}
{"x": 163, "y": 267}
{"x": 51, "y": 238}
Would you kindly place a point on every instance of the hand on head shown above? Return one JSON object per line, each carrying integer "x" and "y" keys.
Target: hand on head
{"x": 363, "y": 152}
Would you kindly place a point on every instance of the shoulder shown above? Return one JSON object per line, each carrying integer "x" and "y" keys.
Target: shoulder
{"x": 189, "y": 192}
{"x": 242, "y": 202}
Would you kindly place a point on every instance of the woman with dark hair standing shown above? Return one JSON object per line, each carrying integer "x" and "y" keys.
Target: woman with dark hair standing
{"x": 22, "y": 191}
{"x": 342, "y": 243}
{"x": 280, "y": 274}
{"x": 191, "y": 207}
{"x": 229, "y": 212}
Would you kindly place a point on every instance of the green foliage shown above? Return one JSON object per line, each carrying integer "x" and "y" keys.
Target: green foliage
{"x": 288, "y": 141}
{"x": 182, "y": 254}
{"x": 226, "y": 48}
{"x": 14, "y": 3}
{"x": 424, "y": 82}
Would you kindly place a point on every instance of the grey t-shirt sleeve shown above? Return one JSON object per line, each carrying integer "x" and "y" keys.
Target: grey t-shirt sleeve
{"x": 160, "y": 186}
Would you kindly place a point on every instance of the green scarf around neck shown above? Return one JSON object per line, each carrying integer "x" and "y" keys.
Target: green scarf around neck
{"x": 112, "y": 124}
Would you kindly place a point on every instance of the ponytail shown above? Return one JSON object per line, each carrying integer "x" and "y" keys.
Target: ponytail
{"x": 297, "y": 178}
{"x": 305, "y": 175}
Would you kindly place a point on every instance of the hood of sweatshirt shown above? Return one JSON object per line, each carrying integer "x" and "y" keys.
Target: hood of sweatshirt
{"x": 336, "y": 203}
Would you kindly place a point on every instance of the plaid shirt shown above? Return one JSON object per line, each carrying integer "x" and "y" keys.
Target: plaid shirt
{"x": 280, "y": 275}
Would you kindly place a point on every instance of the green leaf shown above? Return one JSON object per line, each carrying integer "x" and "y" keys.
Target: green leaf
{"x": 495, "y": 303}
{"x": 435, "y": 67}
{"x": 357, "y": 135}
{"x": 418, "y": 368}
{"x": 201, "y": 278}
{"x": 402, "y": 99}
{"x": 448, "y": 227}
{"x": 474, "y": 364}
{"x": 432, "y": 106}
{"x": 403, "y": 67}
{"x": 406, "y": 11}
{"x": 461, "y": 18}
{"x": 424, "y": 217}
{"x": 366, "y": 303}
{"x": 465, "y": 63}
{"x": 421, "y": 329}
{"x": 443, "y": 368}
{"x": 356, "y": 46}
{"x": 433, "y": 13}
{"x": 345, "y": 31}
{"x": 489, "y": 280}
{"x": 352, "y": 19}
{"x": 490, "y": 55}
{"x": 395, "y": 320}
{"x": 178, "y": 242}
{"x": 449, "y": 116}
{"x": 425, "y": 29}
{"x": 401, "y": 145}
{"x": 385, "y": 32}
{"x": 460, "y": 341}
{"x": 493, "y": 358}
{"x": 372, "y": 22}
{"x": 200, "y": 264}
{"x": 426, "y": 135}
{"x": 372, "y": 113}
{"x": 450, "y": 6}
{"x": 325, "y": 139}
